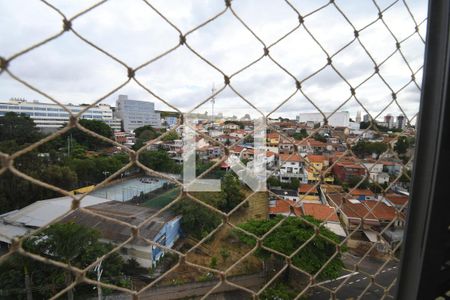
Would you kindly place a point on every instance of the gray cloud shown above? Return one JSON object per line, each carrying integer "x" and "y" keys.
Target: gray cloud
{"x": 72, "y": 71}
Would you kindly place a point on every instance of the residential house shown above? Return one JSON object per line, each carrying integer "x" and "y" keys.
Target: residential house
{"x": 369, "y": 217}
{"x": 345, "y": 170}
{"x": 227, "y": 139}
{"x": 292, "y": 166}
{"x": 269, "y": 158}
{"x": 286, "y": 146}
{"x": 392, "y": 167}
{"x": 286, "y": 194}
{"x": 399, "y": 201}
{"x": 316, "y": 166}
{"x": 230, "y": 126}
{"x": 240, "y": 134}
{"x": 362, "y": 194}
{"x": 376, "y": 172}
{"x": 310, "y": 146}
{"x": 321, "y": 212}
{"x": 308, "y": 193}
{"x": 273, "y": 138}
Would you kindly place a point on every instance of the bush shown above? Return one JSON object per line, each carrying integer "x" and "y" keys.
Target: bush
{"x": 213, "y": 263}
{"x": 293, "y": 233}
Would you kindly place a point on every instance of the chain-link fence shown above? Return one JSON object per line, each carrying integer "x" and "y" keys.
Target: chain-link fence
{"x": 356, "y": 276}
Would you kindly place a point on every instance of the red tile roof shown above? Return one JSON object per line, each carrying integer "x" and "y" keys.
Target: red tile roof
{"x": 318, "y": 211}
{"x": 237, "y": 149}
{"x": 273, "y": 135}
{"x": 353, "y": 209}
{"x": 362, "y": 192}
{"x": 295, "y": 157}
{"x": 381, "y": 210}
{"x": 316, "y": 158}
{"x": 307, "y": 188}
{"x": 397, "y": 199}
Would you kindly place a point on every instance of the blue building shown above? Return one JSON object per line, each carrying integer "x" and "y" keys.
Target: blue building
{"x": 163, "y": 229}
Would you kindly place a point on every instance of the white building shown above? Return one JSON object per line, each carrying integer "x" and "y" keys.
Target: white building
{"x": 338, "y": 119}
{"x": 376, "y": 172}
{"x": 135, "y": 114}
{"x": 49, "y": 117}
{"x": 292, "y": 166}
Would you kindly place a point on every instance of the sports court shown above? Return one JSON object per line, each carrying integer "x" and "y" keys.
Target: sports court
{"x": 128, "y": 188}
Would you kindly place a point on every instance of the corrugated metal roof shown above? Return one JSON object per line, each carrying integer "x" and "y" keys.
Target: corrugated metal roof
{"x": 42, "y": 212}
{"x": 131, "y": 214}
{"x": 8, "y": 232}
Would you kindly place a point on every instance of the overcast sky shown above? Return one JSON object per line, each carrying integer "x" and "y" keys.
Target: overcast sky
{"x": 72, "y": 71}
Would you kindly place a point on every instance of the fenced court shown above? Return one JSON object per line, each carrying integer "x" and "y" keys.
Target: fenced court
{"x": 128, "y": 188}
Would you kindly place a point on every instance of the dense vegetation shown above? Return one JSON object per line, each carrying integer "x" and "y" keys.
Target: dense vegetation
{"x": 288, "y": 237}
{"x": 197, "y": 219}
{"x": 68, "y": 243}
{"x": 364, "y": 148}
{"x": 72, "y": 160}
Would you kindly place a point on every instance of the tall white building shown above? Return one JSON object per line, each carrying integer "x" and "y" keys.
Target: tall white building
{"x": 49, "y": 117}
{"x": 338, "y": 119}
{"x": 358, "y": 117}
{"x": 135, "y": 113}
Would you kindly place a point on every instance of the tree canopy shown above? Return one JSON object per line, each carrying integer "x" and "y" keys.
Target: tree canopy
{"x": 231, "y": 192}
{"x": 159, "y": 160}
{"x": 88, "y": 141}
{"x": 19, "y": 128}
{"x": 300, "y": 135}
{"x": 364, "y": 148}
{"x": 144, "y": 134}
{"x": 69, "y": 243}
{"x": 402, "y": 145}
{"x": 197, "y": 220}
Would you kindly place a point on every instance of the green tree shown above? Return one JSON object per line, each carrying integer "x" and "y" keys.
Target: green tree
{"x": 294, "y": 184}
{"x": 69, "y": 243}
{"x": 364, "y": 148}
{"x": 402, "y": 145}
{"x": 197, "y": 220}
{"x": 320, "y": 138}
{"x": 18, "y": 128}
{"x": 300, "y": 135}
{"x": 159, "y": 160}
{"x": 138, "y": 131}
{"x": 88, "y": 141}
{"x": 171, "y": 136}
{"x": 292, "y": 234}
{"x": 231, "y": 191}
{"x": 92, "y": 170}
{"x": 144, "y": 134}
{"x": 273, "y": 181}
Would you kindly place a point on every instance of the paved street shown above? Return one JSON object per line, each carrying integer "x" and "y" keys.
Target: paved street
{"x": 356, "y": 283}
